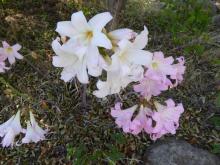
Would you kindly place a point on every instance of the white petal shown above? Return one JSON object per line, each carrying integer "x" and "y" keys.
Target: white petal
{"x": 120, "y": 34}
{"x": 16, "y": 125}
{"x": 11, "y": 59}
{"x": 79, "y": 21}
{"x": 68, "y": 73}
{"x": 100, "y": 39}
{"x": 99, "y": 21}
{"x": 18, "y": 55}
{"x": 140, "y": 57}
{"x": 5, "y": 125}
{"x": 16, "y": 47}
{"x": 5, "y": 44}
{"x": 8, "y": 140}
{"x": 141, "y": 40}
{"x": 94, "y": 68}
{"x": 65, "y": 28}
{"x": 82, "y": 74}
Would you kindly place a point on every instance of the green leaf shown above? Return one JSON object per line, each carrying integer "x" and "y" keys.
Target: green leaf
{"x": 216, "y": 148}
{"x": 119, "y": 138}
{"x": 215, "y": 120}
{"x": 217, "y": 101}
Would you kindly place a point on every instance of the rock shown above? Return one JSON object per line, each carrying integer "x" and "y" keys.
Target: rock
{"x": 178, "y": 152}
{"x": 216, "y": 20}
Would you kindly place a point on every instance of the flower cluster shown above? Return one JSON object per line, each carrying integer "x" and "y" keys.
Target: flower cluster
{"x": 156, "y": 122}
{"x": 11, "y": 128}
{"x": 9, "y": 53}
{"x": 86, "y": 48}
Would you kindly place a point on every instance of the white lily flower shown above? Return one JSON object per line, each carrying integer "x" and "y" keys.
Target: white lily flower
{"x": 88, "y": 33}
{"x": 115, "y": 81}
{"x": 72, "y": 59}
{"x": 117, "y": 35}
{"x": 34, "y": 133}
{"x": 85, "y": 37}
{"x": 131, "y": 53}
{"x": 10, "y": 129}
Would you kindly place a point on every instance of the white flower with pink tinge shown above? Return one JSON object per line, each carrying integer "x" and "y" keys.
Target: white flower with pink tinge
{"x": 34, "y": 133}
{"x": 10, "y": 52}
{"x": 10, "y": 129}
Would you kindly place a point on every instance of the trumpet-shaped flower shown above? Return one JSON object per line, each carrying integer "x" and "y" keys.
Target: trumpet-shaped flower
{"x": 116, "y": 81}
{"x": 123, "y": 117}
{"x": 161, "y": 66}
{"x": 131, "y": 53}
{"x": 10, "y": 129}
{"x": 34, "y": 133}
{"x": 10, "y": 52}
{"x": 142, "y": 121}
{"x": 166, "y": 118}
{"x": 180, "y": 69}
{"x": 151, "y": 85}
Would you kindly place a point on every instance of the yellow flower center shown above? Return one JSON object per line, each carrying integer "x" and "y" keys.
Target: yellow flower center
{"x": 89, "y": 35}
{"x": 154, "y": 65}
{"x": 9, "y": 50}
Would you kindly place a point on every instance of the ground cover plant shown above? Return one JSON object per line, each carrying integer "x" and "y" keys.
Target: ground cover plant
{"x": 84, "y": 136}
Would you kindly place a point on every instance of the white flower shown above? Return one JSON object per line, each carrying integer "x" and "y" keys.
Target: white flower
{"x": 117, "y": 35}
{"x": 89, "y": 33}
{"x": 34, "y": 133}
{"x": 11, "y": 52}
{"x": 116, "y": 81}
{"x": 85, "y": 38}
{"x": 74, "y": 63}
{"x": 10, "y": 129}
{"x": 131, "y": 53}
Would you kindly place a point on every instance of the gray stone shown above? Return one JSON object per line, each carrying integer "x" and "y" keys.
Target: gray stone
{"x": 178, "y": 152}
{"x": 216, "y": 20}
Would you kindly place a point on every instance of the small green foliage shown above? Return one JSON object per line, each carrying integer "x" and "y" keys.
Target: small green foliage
{"x": 216, "y": 148}
{"x": 194, "y": 49}
{"x": 217, "y": 101}
{"x": 215, "y": 120}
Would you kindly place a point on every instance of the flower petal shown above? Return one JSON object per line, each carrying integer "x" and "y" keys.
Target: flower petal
{"x": 141, "y": 40}
{"x": 65, "y": 28}
{"x": 79, "y": 21}
{"x": 100, "y": 39}
{"x": 140, "y": 57}
{"x": 100, "y": 20}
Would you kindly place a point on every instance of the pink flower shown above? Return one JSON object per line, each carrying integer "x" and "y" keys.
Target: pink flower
{"x": 180, "y": 68}
{"x": 161, "y": 66}
{"x": 123, "y": 117}
{"x": 10, "y": 52}
{"x": 151, "y": 85}
{"x": 166, "y": 118}
{"x": 142, "y": 121}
